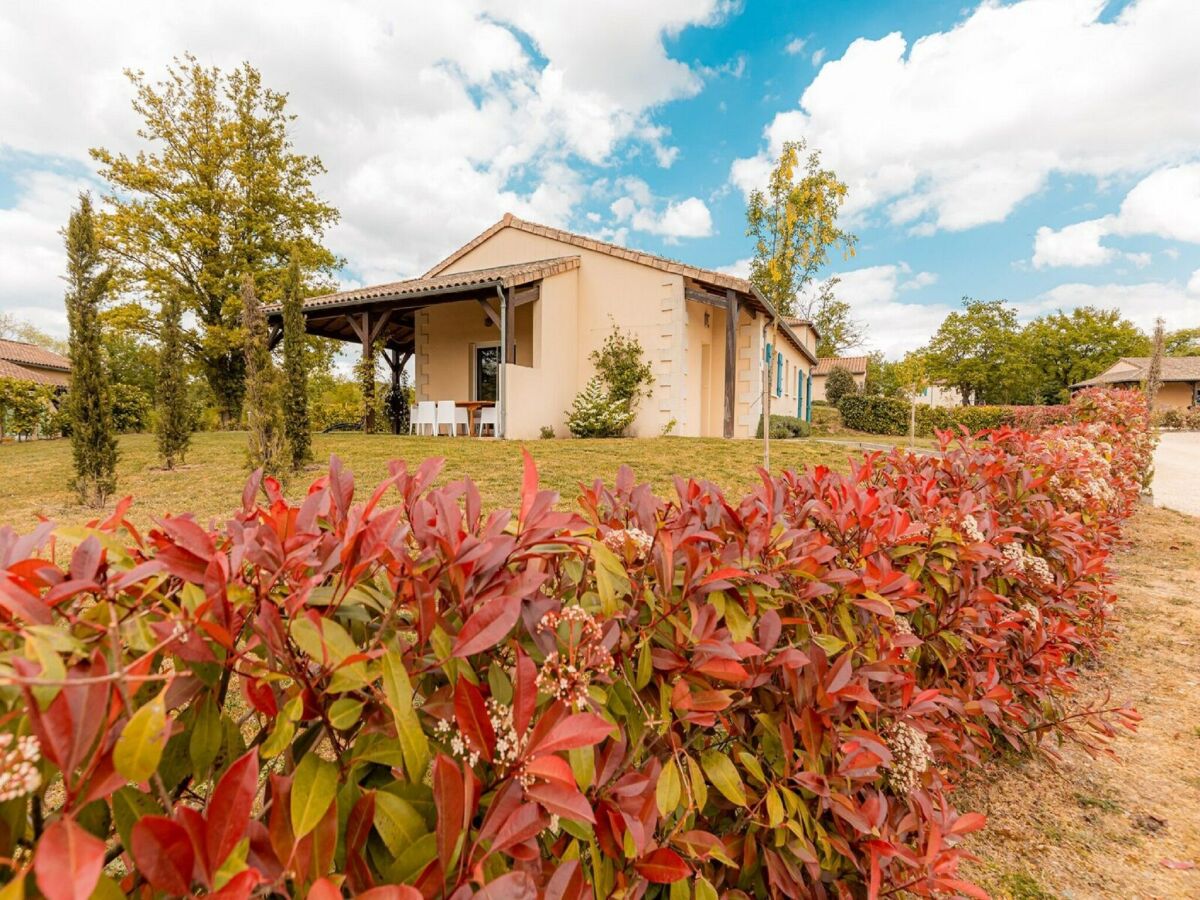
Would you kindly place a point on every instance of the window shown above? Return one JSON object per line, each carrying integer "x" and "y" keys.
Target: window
{"x": 487, "y": 361}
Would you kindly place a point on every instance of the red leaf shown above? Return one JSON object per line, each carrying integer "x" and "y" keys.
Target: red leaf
{"x": 525, "y": 822}
{"x": 260, "y": 695}
{"x": 471, "y": 713}
{"x": 324, "y": 889}
{"x": 839, "y": 674}
{"x": 239, "y": 886}
{"x": 449, "y": 799}
{"x": 967, "y": 822}
{"x": 20, "y": 603}
{"x": 552, "y": 768}
{"x": 513, "y": 886}
{"x": 488, "y": 625}
{"x": 663, "y": 866}
{"x": 566, "y": 883}
{"x": 529, "y": 483}
{"x": 391, "y": 892}
{"x": 524, "y": 692}
{"x": 229, "y": 809}
{"x": 68, "y": 861}
{"x": 558, "y": 798}
{"x": 163, "y": 853}
{"x": 578, "y": 730}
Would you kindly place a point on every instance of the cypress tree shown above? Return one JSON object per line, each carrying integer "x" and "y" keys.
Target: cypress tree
{"x": 295, "y": 372}
{"x": 89, "y": 402}
{"x": 173, "y": 429}
{"x": 264, "y": 401}
{"x": 366, "y": 370}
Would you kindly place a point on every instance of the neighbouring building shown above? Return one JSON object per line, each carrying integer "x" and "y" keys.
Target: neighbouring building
{"x": 28, "y": 362}
{"x": 512, "y": 317}
{"x": 855, "y": 365}
{"x": 940, "y": 395}
{"x": 1180, "y": 379}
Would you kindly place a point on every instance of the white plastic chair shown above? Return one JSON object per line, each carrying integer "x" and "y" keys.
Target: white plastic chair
{"x": 426, "y": 414}
{"x": 447, "y": 417}
{"x": 462, "y": 418}
{"x": 487, "y": 416}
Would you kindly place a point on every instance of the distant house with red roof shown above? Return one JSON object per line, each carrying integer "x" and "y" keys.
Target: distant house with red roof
{"x": 21, "y": 361}
{"x": 855, "y": 365}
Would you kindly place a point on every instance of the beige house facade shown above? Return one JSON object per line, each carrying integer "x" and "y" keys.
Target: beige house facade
{"x": 514, "y": 315}
{"x": 1180, "y": 379}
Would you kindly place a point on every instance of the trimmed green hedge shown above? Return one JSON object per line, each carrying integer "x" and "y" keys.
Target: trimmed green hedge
{"x": 783, "y": 427}
{"x": 889, "y": 415}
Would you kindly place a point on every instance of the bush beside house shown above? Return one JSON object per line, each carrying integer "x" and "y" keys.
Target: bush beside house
{"x": 890, "y": 416}
{"x": 784, "y": 427}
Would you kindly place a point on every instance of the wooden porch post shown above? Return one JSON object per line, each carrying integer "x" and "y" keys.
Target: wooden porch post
{"x": 392, "y": 356}
{"x": 510, "y": 329}
{"x": 501, "y": 377}
{"x": 731, "y": 317}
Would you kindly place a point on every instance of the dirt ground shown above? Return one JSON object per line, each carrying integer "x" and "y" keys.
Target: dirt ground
{"x": 1115, "y": 827}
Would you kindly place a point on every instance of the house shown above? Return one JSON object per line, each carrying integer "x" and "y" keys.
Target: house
{"x": 28, "y": 362}
{"x": 1180, "y": 379}
{"x": 513, "y": 316}
{"x": 855, "y": 365}
{"x": 940, "y": 395}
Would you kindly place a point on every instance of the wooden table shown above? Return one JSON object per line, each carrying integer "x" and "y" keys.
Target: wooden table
{"x": 473, "y": 406}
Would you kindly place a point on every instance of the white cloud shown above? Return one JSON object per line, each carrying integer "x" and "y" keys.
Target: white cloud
{"x": 688, "y": 218}
{"x": 433, "y": 119}
{"x": 31, "y": 248}
{"x": 956, "y": 129}
{"x": 1164, "y": 204}
{"x": 1140, "y": 303}
{"x": 795, "y": 46}
{"x": 818, "y": 57}
{"x": 1194, "y": 282}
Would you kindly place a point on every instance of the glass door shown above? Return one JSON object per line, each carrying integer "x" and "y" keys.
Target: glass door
{"x": 487, "y": 362}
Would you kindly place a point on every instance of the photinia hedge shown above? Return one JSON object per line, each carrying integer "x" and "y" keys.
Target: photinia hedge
{"x": 404, "y": 696}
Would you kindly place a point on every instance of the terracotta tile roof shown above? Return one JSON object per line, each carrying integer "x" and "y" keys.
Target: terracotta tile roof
{"x": 708, "y": 276}
{"x": 505, "y": 276}
{"x": 1174, "y": 368}
{"x": 51, "y": 377}
{"x": 32, "y": 355}
{"x": 855, "y": 365}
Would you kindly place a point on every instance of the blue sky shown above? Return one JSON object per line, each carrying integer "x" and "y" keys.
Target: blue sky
{"x": 1043, "y": 151}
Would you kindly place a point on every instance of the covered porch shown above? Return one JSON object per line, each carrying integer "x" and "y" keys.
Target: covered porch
{"x": 484, "y": 330}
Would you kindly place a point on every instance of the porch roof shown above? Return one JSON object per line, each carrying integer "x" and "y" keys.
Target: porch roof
{"x": 333, "y": 315}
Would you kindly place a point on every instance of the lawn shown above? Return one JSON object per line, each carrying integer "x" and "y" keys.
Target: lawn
{"x": 34, "y": 477}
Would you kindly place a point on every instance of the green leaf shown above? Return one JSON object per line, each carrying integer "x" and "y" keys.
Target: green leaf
{"x": 704, "y": 889}
{"x": 329, "y": 644}
{"x": 645, "y": 666}
{"x": 204, "y": 741}
{"x": 668, "y": 790}
{"x": 280, "y": 737}
{"x": 724, "y": 776}
{"x": 831, "y": 644}
{"x": 140, "y": 746}
{"x": 680, "y": 890}
{"x": 128, "y": 805}
{"x": 398, "y": 822}
{"x": 399, "y": 692}
{"x": 583, "y": 766}
{"x": 344, "y": 713}
{"x": 105, "y": 889}
{"x": 699, "y": 788}
{"x": 751, "y": 764}
{"x": 774, "y": 808}
{"x": 313, "y": 788}
{"x": 413, "y": 860}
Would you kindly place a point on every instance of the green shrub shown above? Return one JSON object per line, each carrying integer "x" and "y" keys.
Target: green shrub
{"x": 874, "y": 415}
{"x": 838, "y": 384}
{"x": 595, "y": 413}
{"x": 130, "y": 408}
{"x": 783, "y": 427}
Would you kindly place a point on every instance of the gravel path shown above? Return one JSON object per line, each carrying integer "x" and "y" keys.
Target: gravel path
{"x": 1177, "y": 472}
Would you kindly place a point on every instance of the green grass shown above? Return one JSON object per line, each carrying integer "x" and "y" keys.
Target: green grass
{"x": 35, "y": 476}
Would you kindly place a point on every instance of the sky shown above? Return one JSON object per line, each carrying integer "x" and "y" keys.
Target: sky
{"x": 1046, "y": 152}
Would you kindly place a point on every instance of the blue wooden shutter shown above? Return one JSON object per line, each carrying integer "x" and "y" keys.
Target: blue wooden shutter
{"x": 779, "y": 375}
{"x": 799, "y": 394}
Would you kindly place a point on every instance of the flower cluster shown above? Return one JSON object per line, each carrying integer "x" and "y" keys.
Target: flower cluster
{"x": 1036, "y": 566}
{"x": 508, "y": 742}
{"x": 458, "y": 747}
{"x": 18, "y": 766}
{"x": 635, "y": 539}
{"x": 970, "y": 527}
{"x": 568, "y": 675}
{"x": 910, "y": 757}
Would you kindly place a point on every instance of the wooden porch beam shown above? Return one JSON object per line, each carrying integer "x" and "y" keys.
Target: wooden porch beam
{"x": 731, "y": 321}
{"x": 510, "y": 329}
{"x": 377, "y": 326}
{"x": 493, "y": 316}
{"x": 275, "y": 336}
{"x": 526, "y": 295}
{"x": 706, "y": 297}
